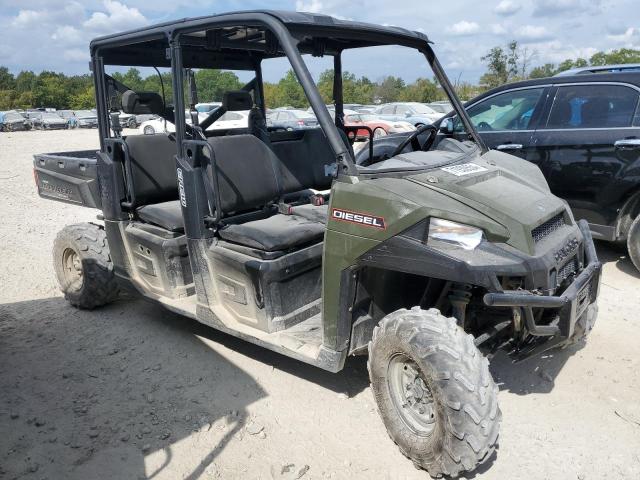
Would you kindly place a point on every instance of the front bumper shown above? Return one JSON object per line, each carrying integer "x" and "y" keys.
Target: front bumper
{"x": 577, "y": 300}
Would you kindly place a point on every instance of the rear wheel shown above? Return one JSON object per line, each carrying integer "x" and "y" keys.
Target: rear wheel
{"x": 434, "y": 391}
{"x": 83, "y": 266}
{"x": 633, "y": 242}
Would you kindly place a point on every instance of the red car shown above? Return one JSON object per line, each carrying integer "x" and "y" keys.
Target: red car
{"x": 379, "y": 126}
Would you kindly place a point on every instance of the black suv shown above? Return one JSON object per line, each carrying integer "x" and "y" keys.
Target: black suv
{"x": 583, "y": 131}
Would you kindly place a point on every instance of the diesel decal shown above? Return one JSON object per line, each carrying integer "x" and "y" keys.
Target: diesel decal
{"x": 359, "y": 218}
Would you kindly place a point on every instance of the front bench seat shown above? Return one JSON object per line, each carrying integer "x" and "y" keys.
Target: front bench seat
{"x": 278, "y": 232}
{"x": 248, "y": 179}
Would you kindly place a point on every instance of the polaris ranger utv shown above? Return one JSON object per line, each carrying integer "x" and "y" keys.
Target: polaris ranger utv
{"x": 427, "y": 259}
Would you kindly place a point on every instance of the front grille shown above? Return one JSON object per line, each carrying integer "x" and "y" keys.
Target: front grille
{"x": 567, "y": 270}
{"x": 547, "y": 228}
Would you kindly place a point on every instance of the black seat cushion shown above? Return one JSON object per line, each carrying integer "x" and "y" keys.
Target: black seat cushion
{"x": 278, "y": 232}
{"x": 166, "y": 215}
{"x": 313, "y": 213}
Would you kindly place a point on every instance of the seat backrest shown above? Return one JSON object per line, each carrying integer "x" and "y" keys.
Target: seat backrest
{"x": 306, "y": 160}
{"x": 247, "y": 176}
{"x": 153, "y": 168}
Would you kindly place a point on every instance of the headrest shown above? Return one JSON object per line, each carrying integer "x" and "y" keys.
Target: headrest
{"x": 141, "y": 103}
{"x": 237, "y": 100}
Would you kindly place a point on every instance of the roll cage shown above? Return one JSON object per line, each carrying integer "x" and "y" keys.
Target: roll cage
{"x": 240, "y": 41}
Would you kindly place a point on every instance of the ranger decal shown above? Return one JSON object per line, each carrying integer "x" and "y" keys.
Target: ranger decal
{"x": 360, "y": 218}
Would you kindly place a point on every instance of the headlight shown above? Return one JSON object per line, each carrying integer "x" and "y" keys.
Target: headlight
{"x": 444, "y": 232}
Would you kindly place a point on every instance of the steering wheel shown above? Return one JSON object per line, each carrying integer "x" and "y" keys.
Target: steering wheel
{"x": 484, "y": 127}
{"x": 415, "y": 143}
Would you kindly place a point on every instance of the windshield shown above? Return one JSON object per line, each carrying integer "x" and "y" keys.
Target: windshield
{"x": 50, "y": 116}
{"x": 85, "y": 113}
{"x": 423, "y": 109}
{"x": 12, "y": 116}
{"x": 301, "y": 114}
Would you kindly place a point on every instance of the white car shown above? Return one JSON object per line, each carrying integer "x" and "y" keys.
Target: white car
{"x": 228, "y": 121}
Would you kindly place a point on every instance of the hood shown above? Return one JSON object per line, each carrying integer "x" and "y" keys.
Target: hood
{"x": 504, "y": 188}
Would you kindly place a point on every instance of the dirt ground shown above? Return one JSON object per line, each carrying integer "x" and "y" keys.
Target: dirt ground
{"x": 132, "y": 391}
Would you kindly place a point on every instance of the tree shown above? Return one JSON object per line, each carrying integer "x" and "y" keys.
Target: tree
{"x": 389, "y": 89}
{"x": 7, "y": 81}
{"x": 50, "y": 91}
{"x": 26, "y": 81}
{"x": 422, "y": 90}
{"x": 614, "y": 57}
{"x": 497, "y": 69}
{"x": 213, "y": 83}
{"x": 290, "y": 92}
{"x": 546, "y": 70}
{"x": 84, "y": 100}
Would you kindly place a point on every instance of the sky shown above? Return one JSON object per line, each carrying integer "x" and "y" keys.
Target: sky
{"x": 54, "y": 34}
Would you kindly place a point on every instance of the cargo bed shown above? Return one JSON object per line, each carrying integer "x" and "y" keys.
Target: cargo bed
{"x": 69, "y": 177}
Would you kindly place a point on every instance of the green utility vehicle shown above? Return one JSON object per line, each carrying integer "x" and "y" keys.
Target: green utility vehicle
{"x": 427, "y": 258}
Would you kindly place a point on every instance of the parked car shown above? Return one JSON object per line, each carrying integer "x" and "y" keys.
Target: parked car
{"x": 47, "y": 121}
{"x": 87, "y": 119}
{"x": 379, "y": 126}
{"x": 208, "y": 107}
{"x": 417, "y": 114}
{"x": 583, "y": 131}
{"x": 228, "y": 121}
{"x": 442, "y": 107}
{"x": 291, "y": 120}
{"x": 69, "y": 116}
{"x": 13, "y": 121}
{"x": 127, "y": 120}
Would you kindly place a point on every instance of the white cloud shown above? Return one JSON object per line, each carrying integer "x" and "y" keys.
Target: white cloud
{"x": 463, "y": 28}
{"x": 507, "y": 7}
{"x": 67, "y": 34}
{"x": 498, "y": 29}
{"x": 532, "y": 33}
{"x": 27, "y": 18}
{"x": 76, "y": 55}
{"x": 629, "y": 38}
{"x": 313, "y": 6}
{"x": 118, "y": 17}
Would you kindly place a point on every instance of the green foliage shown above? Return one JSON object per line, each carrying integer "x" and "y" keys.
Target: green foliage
{"x": 213, "y": 83}
{"x": 511, "y": 64}
{"x": 497, "y": 69}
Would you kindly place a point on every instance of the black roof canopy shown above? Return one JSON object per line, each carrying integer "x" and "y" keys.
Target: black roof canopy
{"x": 238, "y": 40}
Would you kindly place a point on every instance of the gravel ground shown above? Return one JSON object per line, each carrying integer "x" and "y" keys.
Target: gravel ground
{"x": 132, "y": 391}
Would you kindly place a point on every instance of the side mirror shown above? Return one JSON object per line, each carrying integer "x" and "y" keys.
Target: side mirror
{"x": 446, "y": 126}
{"x": 407, "y": 114}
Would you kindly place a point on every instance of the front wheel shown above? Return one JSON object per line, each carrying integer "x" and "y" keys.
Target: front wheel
{"x": 83, "y": 266}
{"x": 434, "y": 391}
{"x": 379, "y": 132}
{"x": 149, "y": 130}
{"x": 633, "y": 242}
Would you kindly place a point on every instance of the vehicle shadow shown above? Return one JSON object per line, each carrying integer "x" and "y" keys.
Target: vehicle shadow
{"x": 534, "y": 375}
{"x": 110, "y": 393}
{"x": 612, "y": 253}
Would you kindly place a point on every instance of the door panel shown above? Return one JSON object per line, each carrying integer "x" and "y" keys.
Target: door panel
{"x": 506, "y": 121}
{"x": 576, "y": 148}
